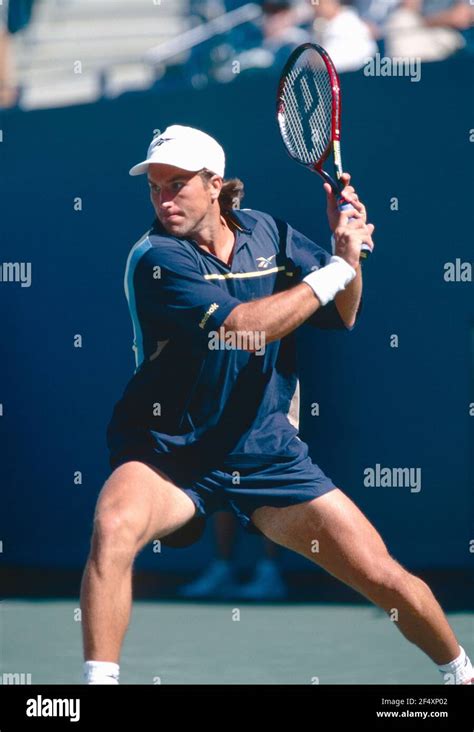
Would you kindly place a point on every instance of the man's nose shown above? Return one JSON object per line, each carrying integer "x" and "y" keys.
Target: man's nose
{"x": 164, "y": 206}
{"x": 165, "y": 197}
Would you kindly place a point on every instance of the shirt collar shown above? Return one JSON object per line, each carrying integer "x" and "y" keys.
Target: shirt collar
{"x": 242, "y": 220}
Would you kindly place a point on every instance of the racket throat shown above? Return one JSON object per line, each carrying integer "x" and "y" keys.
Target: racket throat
{"x": 336, "y": 187}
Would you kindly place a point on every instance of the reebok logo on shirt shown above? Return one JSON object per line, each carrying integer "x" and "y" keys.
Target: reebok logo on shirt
{"x": 208, "y": 314}
{"x": 263, "y": 262}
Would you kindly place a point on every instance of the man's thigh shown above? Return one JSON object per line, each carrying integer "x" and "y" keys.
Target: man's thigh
{"x": 147, "y": 499}
{"x": 332, "y": 532}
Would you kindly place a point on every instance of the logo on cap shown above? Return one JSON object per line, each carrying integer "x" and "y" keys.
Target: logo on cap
{"x": 160, "y": 140}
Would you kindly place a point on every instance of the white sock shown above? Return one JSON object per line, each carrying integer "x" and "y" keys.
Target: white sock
{"x": 101, "y": 672}
{"x": 458, "y": 671}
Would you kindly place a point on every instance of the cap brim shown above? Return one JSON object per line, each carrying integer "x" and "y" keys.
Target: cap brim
{"x": 139, "y": 169}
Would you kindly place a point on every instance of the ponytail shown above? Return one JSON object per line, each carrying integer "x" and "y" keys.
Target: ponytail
{"x": 232, "y": 191}
{"x": 231, "y": 194}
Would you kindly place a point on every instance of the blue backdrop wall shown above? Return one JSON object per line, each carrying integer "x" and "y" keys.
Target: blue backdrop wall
{"x": 408, "y": 406}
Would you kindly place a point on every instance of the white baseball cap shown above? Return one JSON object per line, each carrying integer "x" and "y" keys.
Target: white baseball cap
{"x": 186, "y": 148}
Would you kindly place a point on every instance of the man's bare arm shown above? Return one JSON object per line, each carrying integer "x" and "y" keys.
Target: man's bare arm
{"x": 276, "y": 315}
{"x": 280, "y": 314}
{"x": 348, "y": 300}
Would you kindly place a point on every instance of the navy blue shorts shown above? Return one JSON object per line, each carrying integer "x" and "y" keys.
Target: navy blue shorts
{"x": 284, "y": 481}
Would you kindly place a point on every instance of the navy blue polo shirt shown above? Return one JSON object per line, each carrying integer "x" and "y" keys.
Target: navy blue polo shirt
{"x": 224, "y": 406}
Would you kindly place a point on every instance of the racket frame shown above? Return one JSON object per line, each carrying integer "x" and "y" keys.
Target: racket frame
{"x": 334, "y": 144}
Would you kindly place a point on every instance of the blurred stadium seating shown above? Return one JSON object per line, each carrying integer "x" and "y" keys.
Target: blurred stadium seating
{"x": 76, "y": 51}
{"x": 107, "y": 37}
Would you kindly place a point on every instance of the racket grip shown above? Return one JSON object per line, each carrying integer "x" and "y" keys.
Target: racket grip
{"x": 343, "y": 205}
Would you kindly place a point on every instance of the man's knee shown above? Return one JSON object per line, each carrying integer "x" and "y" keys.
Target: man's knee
{"x": 116, "y": 533}
{"x": 386, "y": 580}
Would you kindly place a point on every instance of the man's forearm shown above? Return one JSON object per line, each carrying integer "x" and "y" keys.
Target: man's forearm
{"x": 276, "y": 315}
{"x": 348, "y": 300}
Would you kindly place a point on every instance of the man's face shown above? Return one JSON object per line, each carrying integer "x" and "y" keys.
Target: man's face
{"x": 181, "y": 199}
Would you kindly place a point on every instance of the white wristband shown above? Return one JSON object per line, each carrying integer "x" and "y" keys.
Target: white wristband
{"x": 331, "y": 279}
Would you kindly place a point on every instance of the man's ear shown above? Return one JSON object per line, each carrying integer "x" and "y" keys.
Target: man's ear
{"x": 216, "y": 185}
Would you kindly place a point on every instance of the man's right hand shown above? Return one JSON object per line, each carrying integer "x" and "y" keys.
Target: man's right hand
{"x": 349, "y": 235}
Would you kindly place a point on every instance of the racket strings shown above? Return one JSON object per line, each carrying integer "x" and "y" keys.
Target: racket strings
{"x": 292, "y": 120}
{"x": 307, "y": 109}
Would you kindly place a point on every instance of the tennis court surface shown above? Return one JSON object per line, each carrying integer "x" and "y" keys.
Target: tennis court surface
{"x": 171, "y": 642}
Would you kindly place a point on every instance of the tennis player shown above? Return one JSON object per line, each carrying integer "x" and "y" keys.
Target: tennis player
{"x": 209, "y": 420}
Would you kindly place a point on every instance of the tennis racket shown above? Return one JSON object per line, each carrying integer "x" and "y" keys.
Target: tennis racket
{"x": 309, "y": 116}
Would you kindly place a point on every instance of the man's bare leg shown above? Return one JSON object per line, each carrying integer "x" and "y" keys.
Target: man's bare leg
{"x": 332, "y": 532}
{"x": 136, "y": 505}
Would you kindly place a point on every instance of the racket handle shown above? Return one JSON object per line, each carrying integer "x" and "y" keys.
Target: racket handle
{"x": 343, "y": 205}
